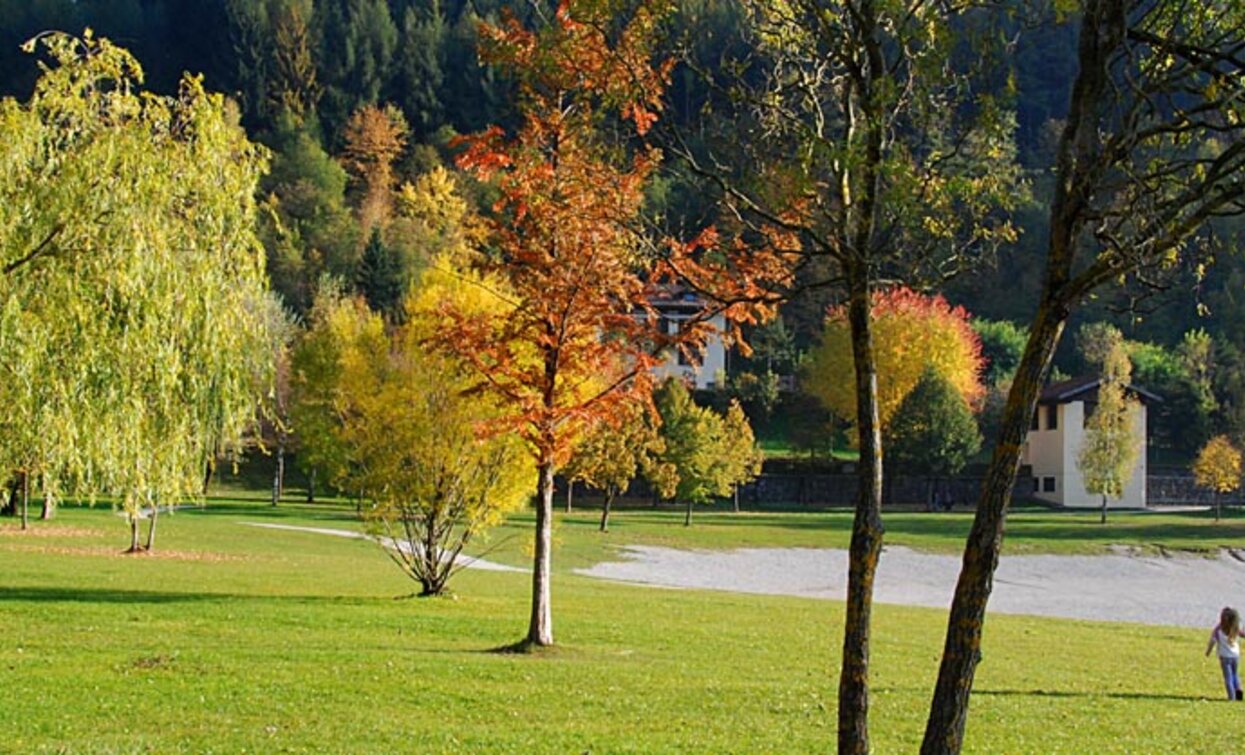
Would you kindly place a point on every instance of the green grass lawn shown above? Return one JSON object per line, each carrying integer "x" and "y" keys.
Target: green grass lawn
{"x": 243, "y": 639}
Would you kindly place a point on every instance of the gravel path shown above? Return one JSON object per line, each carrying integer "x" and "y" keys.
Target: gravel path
{"x": 1163, "y": 590}
{"x": 464, "y": 560}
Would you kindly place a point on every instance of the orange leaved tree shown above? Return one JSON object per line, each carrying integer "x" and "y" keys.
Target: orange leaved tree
{"x": 580, "y": 335}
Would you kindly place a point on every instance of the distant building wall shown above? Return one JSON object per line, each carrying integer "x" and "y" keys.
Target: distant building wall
{"x": 1052, "y": 450}
{"x": 704, "y": 375}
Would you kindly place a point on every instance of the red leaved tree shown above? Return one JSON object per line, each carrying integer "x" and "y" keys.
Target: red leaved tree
{"x": 580, "y": 334}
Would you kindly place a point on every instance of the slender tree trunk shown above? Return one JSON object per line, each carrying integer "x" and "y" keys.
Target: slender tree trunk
{"x": 1078, "y": 161}
{"x": 48, "y": 508}
{"x": 687, "y": 518}
{"x": 134, "y": 546}
{"x": 944, "y": 731}
{"x": 605, "y": 509}
{"x": 866, "y": 542}
{"x": 311, "y": 486}
{"x": 570, "y": 490}
{"x": 540, "y": 627}
{"x": 151, "y": 527}
{"x": 208, "y": 473}
{"x": 1218, "y": 500}
{"x": 1103, "y": 518}
{"x": 278, "y": 476}
{"x": 25, "y": 500}
{"x": 735, "y": 496}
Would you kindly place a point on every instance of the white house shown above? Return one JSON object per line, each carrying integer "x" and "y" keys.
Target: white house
{"x": 1055, "y": 439}
{"x": 675, "y": 307}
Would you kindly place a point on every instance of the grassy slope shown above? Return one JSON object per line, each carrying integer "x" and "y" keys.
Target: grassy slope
{"x": 263, "y": 640}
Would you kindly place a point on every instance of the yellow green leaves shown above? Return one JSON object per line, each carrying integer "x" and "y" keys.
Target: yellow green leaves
{"x": 911, "y": 332}
{"x": 127, "y": 240}
{"x": 1112, "y": 443}
{"x": 1218, "y": 465}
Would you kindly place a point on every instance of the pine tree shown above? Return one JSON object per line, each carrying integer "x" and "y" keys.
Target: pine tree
{"x": 380, "y": 278}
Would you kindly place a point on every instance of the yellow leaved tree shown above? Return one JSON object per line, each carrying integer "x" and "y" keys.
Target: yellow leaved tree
{"x": 1218, "y": 467}
{"x": 912, "y": 332}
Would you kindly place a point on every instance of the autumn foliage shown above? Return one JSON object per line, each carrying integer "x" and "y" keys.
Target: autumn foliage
{"x": 581, "y": 333}
{"x": 912, "y": 332}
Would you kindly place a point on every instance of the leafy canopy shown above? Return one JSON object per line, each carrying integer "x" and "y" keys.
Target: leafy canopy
{"x": 912, "y": 332}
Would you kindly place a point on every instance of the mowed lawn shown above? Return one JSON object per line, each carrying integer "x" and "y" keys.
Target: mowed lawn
{"x": 235, "y": 638}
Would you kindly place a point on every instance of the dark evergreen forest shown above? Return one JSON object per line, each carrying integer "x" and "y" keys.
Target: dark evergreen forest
{"x": 300, "y": 69}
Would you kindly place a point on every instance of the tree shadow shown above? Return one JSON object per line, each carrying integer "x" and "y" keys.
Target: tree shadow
{"x": 105, "y": 596}
{"x": 1066, "y": 694}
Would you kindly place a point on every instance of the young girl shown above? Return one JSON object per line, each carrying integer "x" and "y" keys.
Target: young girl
{"x": 1224, "y": 639}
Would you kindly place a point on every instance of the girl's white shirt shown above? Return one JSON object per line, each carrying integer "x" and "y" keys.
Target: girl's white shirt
{"x": 1227, "y": 648}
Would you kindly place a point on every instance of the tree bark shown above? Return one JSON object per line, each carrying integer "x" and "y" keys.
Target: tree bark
{"x": 570, "y": 489}
{"x": 278, "y": 475}
{"x": 1103, "y": 518}
{"x": 867, "y": 530}
{"x": 134, "y": 546}
{"x": 208, "y": 473}
{"x": 48, "y": 509}
{"x": 735, "y": 496}
{"x": 25, "y": 500}
{"x": 540, "y": 626}
{"x": 151, "y": 528}
{"x": 1078, "y": 166}
{"x": 687, "y": 518}
{"x": 311, "y": 486}
{"x": 944, "y": 731}
{"x": 605, "y": 510}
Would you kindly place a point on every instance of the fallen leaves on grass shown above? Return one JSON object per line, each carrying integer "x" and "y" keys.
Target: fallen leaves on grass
{"x": 49, "y": 530}
{"x": 100, "y": 550}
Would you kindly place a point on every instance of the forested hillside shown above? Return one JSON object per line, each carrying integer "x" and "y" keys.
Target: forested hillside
{"x": 355, "y": 94}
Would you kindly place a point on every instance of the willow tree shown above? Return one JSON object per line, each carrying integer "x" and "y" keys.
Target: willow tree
{"x": 1152, "y": 149}
{"x": 133, "y": 284}
{"x": 880, "y": 157}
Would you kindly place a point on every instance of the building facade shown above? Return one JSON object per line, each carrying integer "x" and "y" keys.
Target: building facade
{"x": 1055, "y": 440}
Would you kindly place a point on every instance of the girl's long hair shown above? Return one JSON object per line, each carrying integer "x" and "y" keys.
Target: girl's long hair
{"x": 1230, "y": 623}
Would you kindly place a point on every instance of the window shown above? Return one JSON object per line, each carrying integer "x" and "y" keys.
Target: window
{"x": 1052, "y": 417}
{"x": 1048, "y": 484}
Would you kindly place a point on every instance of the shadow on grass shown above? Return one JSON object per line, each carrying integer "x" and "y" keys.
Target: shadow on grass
{"x": 93, "y": 595}
{"x": 240, "y": 507}
{"x": 1064, "y": 694}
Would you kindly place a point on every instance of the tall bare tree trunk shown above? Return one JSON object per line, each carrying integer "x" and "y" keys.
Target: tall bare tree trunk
{"x": 1103, "y": 26}
{"x": 866, "y": 542}
{"x": 540, "y": 627}
{"x": 944, "y": 731}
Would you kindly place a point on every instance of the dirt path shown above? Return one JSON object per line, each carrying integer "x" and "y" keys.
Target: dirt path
{"x": 1176, "y": 590}
{"x": 464, "y": 560}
